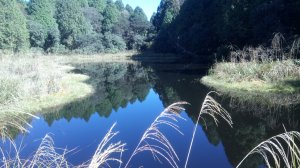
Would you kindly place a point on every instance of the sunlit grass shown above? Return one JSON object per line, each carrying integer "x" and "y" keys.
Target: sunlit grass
{"x": 164, "y": 149}
{"x": 260, "y": 69}
{"x": 213, "y": 109}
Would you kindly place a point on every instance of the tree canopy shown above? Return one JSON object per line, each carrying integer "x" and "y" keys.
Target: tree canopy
{"x": 42, "y": 25}
{"x": 71, "y": 22}
{"x": 204, "y": 27}
{"x": 64, "y": 26}
{"x": 13, "y": 31}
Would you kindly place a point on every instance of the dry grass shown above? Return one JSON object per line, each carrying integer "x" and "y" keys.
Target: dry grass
{"x": 267, "y": 68}
{"x": 213, "y": 109}
{"x": 164, "y": 149}
{"x": 102, "y": 156}
{"x": 45, "y": 156}
{"x": 279, "y": 151}
{"x": 28, "y": 76}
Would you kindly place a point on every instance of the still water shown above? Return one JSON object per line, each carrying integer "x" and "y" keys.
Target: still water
{"x": 134, "y": 94}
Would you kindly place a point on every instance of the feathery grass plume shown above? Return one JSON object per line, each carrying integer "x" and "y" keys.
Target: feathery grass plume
{"x": 164, "y": 149}
{"x": 8, "y": 161}
{"x": 213, "y": 109}
{"x": 279, "y": 151}
{"x": 104, "y": 151}
{"x": 13, "y": 118}
{"x": 46, "y": 156}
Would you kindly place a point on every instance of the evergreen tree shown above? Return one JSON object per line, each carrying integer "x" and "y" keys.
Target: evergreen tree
{"x": 98, "y": 4}
{"x": 111, "y": 15}
{"x": 166, "y": 12}
{"x": 139, "y": 21}
{"x": 41, "y": 14}
{"x": 71, "y": 22}
{"x": 13, "y": 32}
{"x": 129, "y": 9}
{"x": 120, "y": 5}
{"x": 139, "y": 26}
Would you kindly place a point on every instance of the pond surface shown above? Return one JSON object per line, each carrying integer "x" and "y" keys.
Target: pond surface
{"x": 134, "y": 94}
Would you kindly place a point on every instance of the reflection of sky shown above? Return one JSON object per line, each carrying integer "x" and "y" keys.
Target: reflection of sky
{"x": 132, "y": 121}
{"x": 149, "y": 6}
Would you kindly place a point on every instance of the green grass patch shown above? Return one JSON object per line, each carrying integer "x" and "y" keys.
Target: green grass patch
{"x": 257, "y": 86}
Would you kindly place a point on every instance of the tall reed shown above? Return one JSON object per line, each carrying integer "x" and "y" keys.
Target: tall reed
{"x": 213, "y": 109}
{"x": 282, "y": 150}
{"x": 164, "y": 149}
{"x": 105, "y": 150}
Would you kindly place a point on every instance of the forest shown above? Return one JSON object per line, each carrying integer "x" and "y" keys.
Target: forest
{"x": 200, "y": 83}
{"x": 67, "y": 26}
{"x": 206, "y": 29}
{"x": 199, "y": 29}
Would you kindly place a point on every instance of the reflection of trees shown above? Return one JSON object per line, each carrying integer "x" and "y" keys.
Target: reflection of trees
{"x": 115, "y": 84}
{"x": 255, "y": 119}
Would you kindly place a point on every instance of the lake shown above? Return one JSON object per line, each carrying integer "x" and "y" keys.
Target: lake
{"x": 134, "y": 94}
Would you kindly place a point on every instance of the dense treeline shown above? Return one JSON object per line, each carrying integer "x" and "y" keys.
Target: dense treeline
{"x": 81, "y": 26}
{"x": 204, "y": 27}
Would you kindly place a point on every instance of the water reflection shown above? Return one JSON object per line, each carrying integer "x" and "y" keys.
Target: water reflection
{"x": 256, "y": 117}
{"x": 117, "y": 85}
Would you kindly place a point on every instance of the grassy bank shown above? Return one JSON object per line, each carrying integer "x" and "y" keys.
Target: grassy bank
{"x": 34, "y": 83}
{"x": 258, "y": 69}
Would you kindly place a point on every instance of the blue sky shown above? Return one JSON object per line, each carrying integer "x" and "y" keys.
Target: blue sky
{"x": 149, "y": 6}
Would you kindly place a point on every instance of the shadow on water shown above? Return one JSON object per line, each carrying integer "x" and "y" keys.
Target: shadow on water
{"x": 116, "y": 85}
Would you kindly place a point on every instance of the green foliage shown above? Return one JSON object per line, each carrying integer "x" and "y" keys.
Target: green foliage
{"x": 37, "y": 34}
{"x": 111, "y": 15}
{"x": 90, "y": 44}
{"x": 98, "y": 4}
{"x": 139, "y": 26}
{"x": 122, "y": 27}
{"x": 94, "y": 17}
{"x": 13, "y": 32}
{"x": 205, "y": 27}
{"x": 83, "y": 3}
{"x": 42, "y": 11}
{"x": 42, "y": 24}
{"x": 113, "y": 43}
{"x": 83, "y": 26}
{"x": 139, "y": 21}
{"x": 120, "y": 5}
{"x": 71, "y": 22}
{"x": 166, "y": 12}
{"x": 129, "y": 9}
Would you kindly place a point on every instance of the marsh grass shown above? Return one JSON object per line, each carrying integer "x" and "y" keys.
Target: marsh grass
{"x": 267, "y": 68}
{"x": 28, "y": 76}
